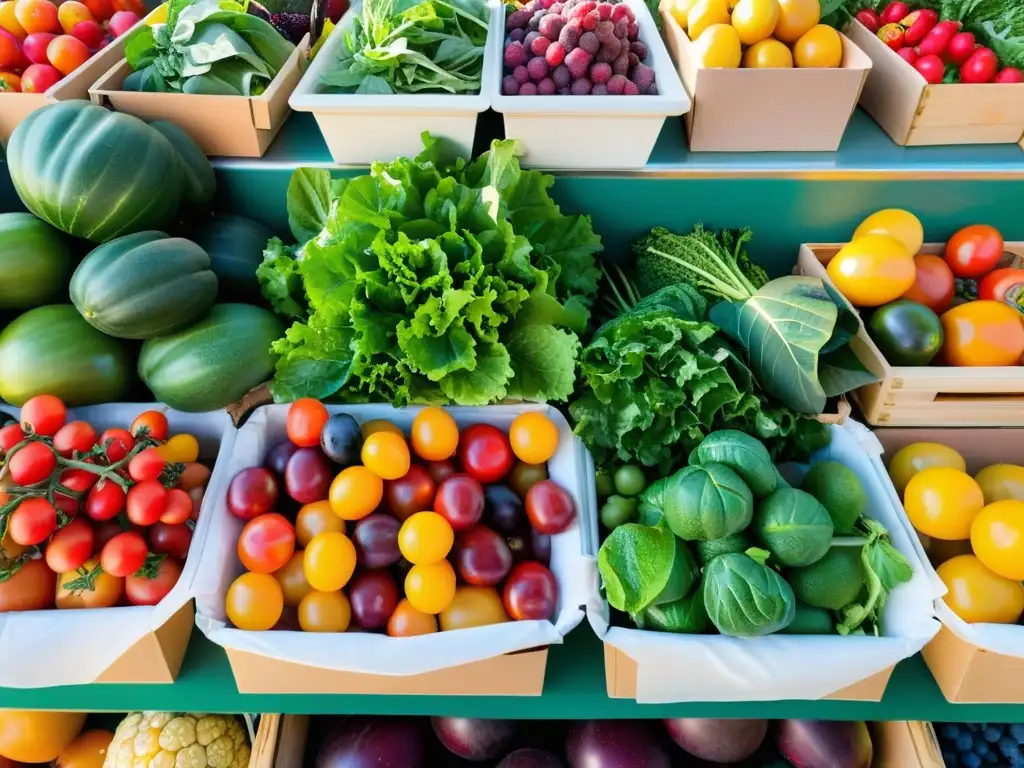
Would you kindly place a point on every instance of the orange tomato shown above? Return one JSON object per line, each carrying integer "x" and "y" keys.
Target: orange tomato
{"x": 473, "y": 607}
{"x": 292, "y": 578}
{"x": 37, "y": 16}
{"x": 89, "y": 750}
{"x": 997, "y": 536}
{"x": 356, "y": 492}
{"x": 430, "y": 588}
{"x": 435, "y": 435}
{"x": 70, "y": 13}
{"x": 373, "y": 426}
{"x": 983, "y": 333}
{"x": 9, "y": 21}
{"x": 37, "y": 737}
{"x": 325, "y": 612}
{"x": 10, "y": 82}
{"x": 101, "y": 10}
{"x": 30, "y": 589}
{"x": 254, "y": 602}
{"x": 977, "y": 595}
{"x": 534, "y": 437}
{"x": 315, "y": 518}
{"x": 89, "y": 587}
{"x": 820, "y": 46}
{"x": 386, "y": 455}
{"x": 943, "y": 502}
{"x": 67, "y": 53}
{"x": 934, "y": 284}
{"x": 406, "y": 621}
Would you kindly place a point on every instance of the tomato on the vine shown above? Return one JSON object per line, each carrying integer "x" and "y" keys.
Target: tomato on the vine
{"x": 105, "y": 500}
{"x": 70, "y": 546}
{"x": 974, "y": 251}
{"x": 74, "y": 436}
{"x": 485, "y": 453}
{"x": 104, "y": 531}
{"x": 124, "y": 554}
{"x": 1005, "y": 284}
{"x": 435, "y": 436}
{"x": 31, "y": 588}
{"x": 266, "y": 543}
{"x": 32, "y": 521}
{"x": 254, "y": 602}
{"x": 149, "y": 589}
{"x": 146, "y": 465}
{"x": 146, "y": 502}
{"x": 43, "y": 415}
{"x": 32, "y": 463}
{"x": 305, "y": 422}
{"x": 534, "y": 437}
{"x": 173, "y": 540}
{"x": 180, "y": 449}
{"x": 154, "y": 422}
{"x": 117, "y": 443}
{"x": 10, "y": 436}
{"x": 178, "y": 509}
{"x": 89, "y": 587}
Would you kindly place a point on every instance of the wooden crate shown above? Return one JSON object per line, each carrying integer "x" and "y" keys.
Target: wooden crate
{"x": 915, "y": 113}
{"x": 280, "y": 741}
{"x": 928, "y": 395}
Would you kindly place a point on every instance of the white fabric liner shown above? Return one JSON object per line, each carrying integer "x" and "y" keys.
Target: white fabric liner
{"x": 676, "y": 668}
{"x": 379, "y": 654}
{"x": 39, "y": 640}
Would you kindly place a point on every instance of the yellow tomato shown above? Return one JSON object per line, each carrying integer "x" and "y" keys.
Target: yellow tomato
{"x": 895, "y": 222}
{"x": 425, "y": 538}
{"x": 703, "y": 14}
{"x": 430, "y": 588}
{"x": 325, "y": 612}
{"x": 768, "y": 54}
{"x": 977, "y": 595}
{"x": 820, "y": 46}
{"x": 180, "y": 449}
{"x": 997, "y": 536}
{"x": 911, "y": 459}
{"x": 943, "y": 502}
{"x": 755, "y": 20}
{"x": 373, "y": 426}
{"x": 473, "y": 607}
{"x": 983, "y": 333}
{"x": 939, "y": 550}
{"x": 796, "y": 18}
{"x": 872, "y": 270}
{"x": 37, "y": 737}
{"x": 355, "y": 493}
{"x": 329, "y": 561}
{"x": 386, "y": 455}
{"x": 1001, "y": 481}
{"x": 718, "y": 47}
{"x": 254, "y": 602}
{"x": 680, "y": 10}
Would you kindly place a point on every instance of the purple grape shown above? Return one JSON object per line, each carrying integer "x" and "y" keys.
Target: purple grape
{"x": 538, "y": 68}
{"x": 509, "y": 85}
{"x": 600, "y": 73}
{"x": 580, "y": 87}
{"x": 530, "y": 37}
{"x": 521, "y": 74}
{"x": 616, "y": 84}
{"x": 631, "y": 89}
{"x": 551, "y": 26}
{"x": 599, "y": 90}
{"x": 589, "y": 43}
{"x": 563, "y": 92}
{"x": 517, "y": 35}
{"x": 578, "y": 61}
{"x": 278, "y": 457}
{"x": 609, "y": 52}
{"x": 605, "y": 32}
{"x": 633, "y": 59}
{"x": 515, "y": 55}
{"x": 546, "y": 87}
{"x": 517, "y": 19}
{"x": 527, "y": 89}
{"x": 621, "y": 65}
{"x": 534, "y": 23}
{"x": 643, "y": 76}
{"x": 570, "y": 36}
{"x": 562, "y": 79}
{"x": 632, "y": 30}
{"x": 557, "y": 8}
{"x": 621, "y": 28}
{"x": 639, "y": 49}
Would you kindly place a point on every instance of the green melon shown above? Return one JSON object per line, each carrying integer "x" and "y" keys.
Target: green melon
{"x": 36, "y": 262}
{"x": 144, "y": 285}
{"x": 200, "y": 182}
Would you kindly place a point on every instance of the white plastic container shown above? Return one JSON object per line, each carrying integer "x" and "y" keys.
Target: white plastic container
{"x": 362, "y": 129}
{"x": 591, "y": 132}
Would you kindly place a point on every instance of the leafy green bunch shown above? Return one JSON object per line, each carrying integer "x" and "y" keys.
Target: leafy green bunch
{"x": 431, "y": 280}
{"x": 210, "y": 47}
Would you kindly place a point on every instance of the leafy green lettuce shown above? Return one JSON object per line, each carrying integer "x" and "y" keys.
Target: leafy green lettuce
{"x": 432, "y": 280}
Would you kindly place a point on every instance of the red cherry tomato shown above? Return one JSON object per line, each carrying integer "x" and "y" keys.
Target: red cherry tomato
{"x": 155, "y": 424}
{"x": 974, "y": 251}
{"x": 485, "y": 453}
{"x": 104, "y": 532}
{"x": 981, "y": 67}
{"x": 1005, "y": 284}
{"x": 78, "y": 480}
{"x": 74, "y": 436}
{"x": 173, "y": 540}
{"x": 530, "y": 593}
{"x": 124, "y": 554}
{"x": 482, "y": 557}
{"x": 43, "y": 415}
{"x": 146, "y": 502}
{"x": 252, "y": 492}
{"x": 411, "y": 493}
{"x": 10, "y": 436}
{"x": 460, "y": 501}
{"x": 146, "y": 465}
{"x": 934, "y": 284}
{"x": 70, "y": 547}
{"x": 308, "y": 475}
{"x": 550, "y": 507}
{"x": 118, "y": 443}
{"x": 32, "y": 463}
{"x": 178, "y": 509}
{"x": 305, "y": 422}
{"x": 266, "y": 543}
{"x": 146, "y": 589}
{"x": 440, "y": 471}
{"x": 32, "y": 521}
{"x": 105, "y": 501}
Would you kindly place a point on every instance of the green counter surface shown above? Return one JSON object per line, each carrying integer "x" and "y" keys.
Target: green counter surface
{"x": 575, "y": 688}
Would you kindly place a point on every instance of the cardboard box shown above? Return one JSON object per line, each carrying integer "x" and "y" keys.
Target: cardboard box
{"x": 766, "y": 110}
{"x": 965, "y": 672}
{"x": 906, "y": 744}
{"x": 927, "y": 395}
{"x": 225, "y": 126}
{"x": 916, "y": 114}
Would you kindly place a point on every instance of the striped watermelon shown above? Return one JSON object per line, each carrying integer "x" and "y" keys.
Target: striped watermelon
{"x": 94, "y": 173}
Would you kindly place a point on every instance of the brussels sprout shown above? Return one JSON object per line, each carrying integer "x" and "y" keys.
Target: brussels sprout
{"x": 794, "y": 527}
{"x": 709, "y": 550}
{"x": 743, "y": 454}
{"x": 700, "y": 503}
{"x": 681, "y": 578}
{"x": 641, "y": 565}
{"x": 686, "y": 616}
{"x": 746, "y": 598}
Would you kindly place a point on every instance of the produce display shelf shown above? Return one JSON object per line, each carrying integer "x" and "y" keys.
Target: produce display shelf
{"x": 575, "y": 687}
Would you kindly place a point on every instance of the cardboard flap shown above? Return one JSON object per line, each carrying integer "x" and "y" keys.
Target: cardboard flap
{"x": 157, "y": 657}
{"x": 271, "y": 108}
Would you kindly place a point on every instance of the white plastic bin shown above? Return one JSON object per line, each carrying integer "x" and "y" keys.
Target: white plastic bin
{"x": 362, "y": 129}
{"x": 591, "y": 132}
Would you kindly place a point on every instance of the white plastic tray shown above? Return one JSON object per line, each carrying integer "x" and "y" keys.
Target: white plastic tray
{"x": 380, "y": 654}
{"x": 591, "y": 132}
{"x": 362, "y": 129}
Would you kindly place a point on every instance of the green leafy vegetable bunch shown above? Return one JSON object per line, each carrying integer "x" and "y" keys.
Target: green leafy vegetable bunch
{"x": 431, "y": 280}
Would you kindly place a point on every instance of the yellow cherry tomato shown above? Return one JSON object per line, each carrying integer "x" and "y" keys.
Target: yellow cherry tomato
{"x": 180, "y": 449}
{"x": 329, "y": 561}
{"x": 435, "y": 435}
{"x": 355, "y": 493}
{"x": 982, "y": 333}
{"x": 1000, "y": 482}
{"x": 430, "y": 588}
{"x": 894, "y": 222}
{"x": 373, "y": 426}
{"x": 718, "y": 47}
{"x": 386, "y": 455}
{"x": 755, "y": 20}
{"x": 911, "y": 459}
{"x": 872, "y": 270}
{"x": 768, "y": 54}
{"x": 997, "y": 536}
{"x": 979, "y": 596}
{"x": 325, "y": 612}
{"x": 680, "y": 10}
{"x": 318, "y": 517}
{"x": 292, "y": 578}
{"x": 534, "y": 437}
{"x": 943, "y": 502}
{"x": 796, "y": 18}
{"x": 254, "y": 602}
{"x": 425, "y": 538}
{"x": 820, "y": 46}
{"x": 473, "y": 607}
{"x": 703, "y": 14}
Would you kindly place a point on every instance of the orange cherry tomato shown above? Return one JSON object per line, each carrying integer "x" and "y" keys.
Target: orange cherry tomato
{"x": 934, "y": 284}
{"x": 329, "y": 561}
{"x": 315, "y": 518}
{"x": 292, "y": 578}
{"x": 983, "y": 333}
{"x": 406, "y": 621}
{"x": 325, "y": 612}
{"x": 473, "y": 607}
{"x": 430, "y": 588}
{"x": 974, "y": 251}
{"x": 435, "y": 435}
{"x": 425, "y": 538}
{"x": 977, "y": 595}
{"x": 154, "y": 422}
{"x": 266, "y": 543}
{"x": 305, "y": 422}
{"x": 356, "y": 492}
{"x": 534, "y": 437}
{"x": 997, "y": 536}
{"x": 943, "y": 502}
{"x": 386, "y": 455}
{"x": 254, "y": 602}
